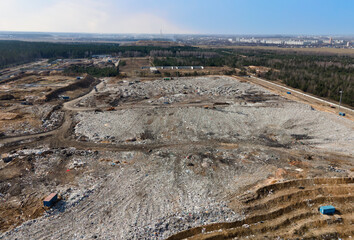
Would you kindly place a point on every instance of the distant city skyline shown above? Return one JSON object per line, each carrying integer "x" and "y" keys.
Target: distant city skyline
{"x": 253, "y": 17}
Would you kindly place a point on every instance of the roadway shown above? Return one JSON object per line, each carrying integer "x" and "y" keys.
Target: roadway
{"x": 303, "y": 94}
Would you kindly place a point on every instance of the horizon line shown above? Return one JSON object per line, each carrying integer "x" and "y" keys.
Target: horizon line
{"x": 197, "y": 34}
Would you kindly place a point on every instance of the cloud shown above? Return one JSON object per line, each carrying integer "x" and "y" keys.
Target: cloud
{"x": 80, "y": 16}
{"x": 145, "y": 23}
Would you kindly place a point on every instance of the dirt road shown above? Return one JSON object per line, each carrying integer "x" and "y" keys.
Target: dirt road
{"x": 297, "y": 95}
{"x": 60, "y": 135}
{"x": 68, "y": 107}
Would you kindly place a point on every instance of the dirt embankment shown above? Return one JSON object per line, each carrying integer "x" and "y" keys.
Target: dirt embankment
{"x": 14, "y": 78}
{"x": 86, "y": 82}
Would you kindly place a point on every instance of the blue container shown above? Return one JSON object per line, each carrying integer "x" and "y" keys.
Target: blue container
{"x": 50, "y": 200}
{"x": 288, "y": 92}
{"x": 328, "y": 210}
{"x": 342, "y": 114}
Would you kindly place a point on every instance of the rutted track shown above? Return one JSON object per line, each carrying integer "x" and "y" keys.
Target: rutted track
{"x": 287, "y": 210}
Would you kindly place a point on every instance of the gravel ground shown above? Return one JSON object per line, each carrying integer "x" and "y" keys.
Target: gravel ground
{"x": 36, "y": 119}
{"x": 174, "y": 91}
{"x": 274, "y": 122}
{"x": 148, "y": 196}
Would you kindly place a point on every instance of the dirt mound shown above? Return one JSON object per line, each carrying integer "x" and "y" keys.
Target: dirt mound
{"x": 287, "y": 210}
{"x": 8, "y": 116}
{"x": 83, "y": 83}
{"x": 15, "y": 213}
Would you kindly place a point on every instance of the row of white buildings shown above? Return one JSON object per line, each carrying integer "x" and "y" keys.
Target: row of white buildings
{"x": 275, "y": 41}
{"x": 292, "y": 42}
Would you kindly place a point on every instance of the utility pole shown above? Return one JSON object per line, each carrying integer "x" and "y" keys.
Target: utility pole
{"x": 340, "y": 100}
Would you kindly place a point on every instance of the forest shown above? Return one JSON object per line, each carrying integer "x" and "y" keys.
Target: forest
{"x": 321, "y": 74}
{"x": 93, "y": 71}
{"x": 19, "y": 52}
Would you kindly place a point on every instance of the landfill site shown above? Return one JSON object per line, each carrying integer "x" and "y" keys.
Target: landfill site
{"x": 212, "y": 157}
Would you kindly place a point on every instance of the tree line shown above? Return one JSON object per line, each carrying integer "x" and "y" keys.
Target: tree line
{"x": 92, "y": 70}
{"x": 19, "y": 52}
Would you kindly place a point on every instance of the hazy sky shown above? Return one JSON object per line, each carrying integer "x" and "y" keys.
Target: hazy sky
{"x": 180, "y": 16}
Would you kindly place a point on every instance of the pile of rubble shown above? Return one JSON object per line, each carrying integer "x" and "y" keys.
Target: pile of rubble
{"x": 175, "y": 91}
{"x": 53, "y": 121}
{"x": 183, "y": 220}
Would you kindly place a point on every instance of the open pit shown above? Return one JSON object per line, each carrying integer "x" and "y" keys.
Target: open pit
{"x": 152, "y": 159}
